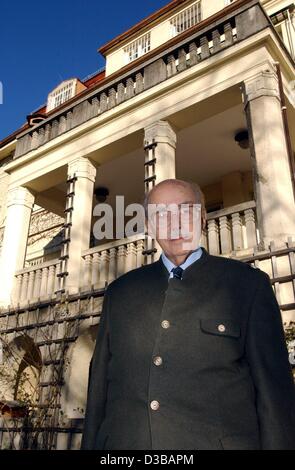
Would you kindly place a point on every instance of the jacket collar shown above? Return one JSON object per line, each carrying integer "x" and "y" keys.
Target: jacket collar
{"x": 189, "y": 271}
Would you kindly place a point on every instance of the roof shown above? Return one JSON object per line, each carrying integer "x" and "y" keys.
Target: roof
{"x": 89, "y": 82}
{"x": 146, "y": 21}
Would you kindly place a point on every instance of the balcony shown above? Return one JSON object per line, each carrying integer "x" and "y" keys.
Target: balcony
{"x": 189, "y": 49}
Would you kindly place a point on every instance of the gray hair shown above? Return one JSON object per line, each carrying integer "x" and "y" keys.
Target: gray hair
{"x": 200, "y": 198}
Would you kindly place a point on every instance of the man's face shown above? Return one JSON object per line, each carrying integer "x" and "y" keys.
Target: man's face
{"x": 175, "y": 219}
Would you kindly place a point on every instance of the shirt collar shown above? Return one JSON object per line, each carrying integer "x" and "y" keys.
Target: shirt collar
{"x": 196, "y": 254}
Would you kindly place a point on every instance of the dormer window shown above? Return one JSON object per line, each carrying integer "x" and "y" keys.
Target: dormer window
{"x": 186, "y": 19}
{"x": 137, "y": 48}
{"x": 35, "y": 118}
{"x": 65, "y": 91}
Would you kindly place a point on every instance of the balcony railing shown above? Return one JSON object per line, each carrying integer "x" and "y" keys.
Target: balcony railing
{"x": 106, "y": 262}
{"x": 36, "y": 283}
{"x": 197, "y": 44}
{"x": 229, "y": 231}
{"x": 232, "y": 229}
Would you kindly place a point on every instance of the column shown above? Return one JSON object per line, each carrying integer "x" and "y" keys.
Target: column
{"x": 4, "y": 181}
{"x": 159, "y": 145}
{"x": 85, "y": 172}
{"x": 20, "y": 202}
{"x": 270, "y": 164}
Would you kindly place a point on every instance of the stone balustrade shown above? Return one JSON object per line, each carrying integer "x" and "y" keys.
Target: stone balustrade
{"x": 232, "y": 229}
{"x": 37, "y": 282}
{"x": 106, "y": 262}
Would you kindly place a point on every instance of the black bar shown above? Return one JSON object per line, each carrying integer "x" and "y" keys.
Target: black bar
{"x": 151, "y": 162}
{"x": 150, "y": 178}
{"x": 65, "y": 273}
{"x": 149, "y": 252}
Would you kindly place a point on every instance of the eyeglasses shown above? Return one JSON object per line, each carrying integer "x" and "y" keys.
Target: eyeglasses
{"x": 160, "y": 212}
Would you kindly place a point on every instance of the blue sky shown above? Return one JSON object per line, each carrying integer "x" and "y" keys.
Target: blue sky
{"x": 43, "y": 43}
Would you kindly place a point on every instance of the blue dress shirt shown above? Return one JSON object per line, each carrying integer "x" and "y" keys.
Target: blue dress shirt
{"x": 196, "y": 254}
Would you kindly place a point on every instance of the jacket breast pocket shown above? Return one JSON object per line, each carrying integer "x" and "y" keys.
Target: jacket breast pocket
{"x": 220, "y": 327}
{"x": 220, "y": 343}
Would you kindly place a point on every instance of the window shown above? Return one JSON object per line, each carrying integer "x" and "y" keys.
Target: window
{"x": 137, "y": 48}
{"x": 283, "y": 22}
{"x": 62, "y": 93}
{"x": 186, "y": 19}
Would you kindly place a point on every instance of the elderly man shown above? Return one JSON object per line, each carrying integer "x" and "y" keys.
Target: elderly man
{"x": 190, "y": 352}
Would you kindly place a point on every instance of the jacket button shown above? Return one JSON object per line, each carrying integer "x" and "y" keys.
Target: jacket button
{"x": 155, "y": 405}
{"x": 158, "y": 361}
{"x": 165, "y": 324}
{"x": 221, "y": 328}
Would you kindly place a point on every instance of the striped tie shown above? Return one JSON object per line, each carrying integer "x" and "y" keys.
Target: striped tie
{"x": 177, "y": 272}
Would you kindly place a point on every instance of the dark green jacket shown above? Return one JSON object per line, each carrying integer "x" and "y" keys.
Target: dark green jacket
{"x": 225, "y": 380}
